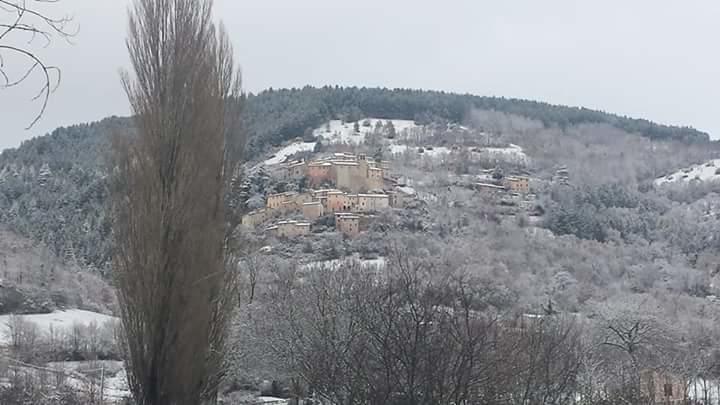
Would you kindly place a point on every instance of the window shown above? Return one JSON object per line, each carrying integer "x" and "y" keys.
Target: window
{"x": 668, "y": 390}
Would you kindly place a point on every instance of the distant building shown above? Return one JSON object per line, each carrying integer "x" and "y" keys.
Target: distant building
{"x": 346, "y": 171}
{"x": 275, "y": 201}
{"x": 287, "y": 202}
{"x": 319, "y": 172}
{"x": 370, "y": 202}
{"x": 347, "y": 224}
{"x": 256, "y": 217}
{"x": 297, "y": 169}
{"x": 518, "y": 184}
{"x": 313, "y": 210}
{"x": 289, "y": 229}
{"x": 396, "y": 199}
{"x": 562, "y": 175}
{"x": 338, "y": 201}
{"x": 489, "y": 187}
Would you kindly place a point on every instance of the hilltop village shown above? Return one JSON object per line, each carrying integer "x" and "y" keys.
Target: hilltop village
{"x": 351, "y": 189}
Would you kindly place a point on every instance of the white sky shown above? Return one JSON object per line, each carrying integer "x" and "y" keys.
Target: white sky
{"x": 655, "y": 59}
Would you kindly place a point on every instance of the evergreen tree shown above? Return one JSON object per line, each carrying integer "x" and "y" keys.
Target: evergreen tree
{"x": 390, "y": 130}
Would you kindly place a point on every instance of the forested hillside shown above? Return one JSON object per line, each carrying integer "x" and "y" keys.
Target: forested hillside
{"x": 52, "y": 188}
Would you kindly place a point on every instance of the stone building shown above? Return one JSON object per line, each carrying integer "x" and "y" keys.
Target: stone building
{"x": 396, "y": 199}
{"x": 319, "y": 172}
{"x": 289, "y": 229}
{"x": 348, "y": 224}
{"x": 275, "y": 201}
{"x": 287, "y": 202}
{"x": 518, "y": 184}
{"x": 338, "y": 201}
{"x": 297, "y": 169}
{"x": 313, "y": 210}
{"x": 370, "y": 202}
{"x": 256, "y": 217}
{"x": 349, "y": 172}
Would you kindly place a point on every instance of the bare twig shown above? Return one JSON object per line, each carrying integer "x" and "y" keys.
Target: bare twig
{"x": 26, "y": 19}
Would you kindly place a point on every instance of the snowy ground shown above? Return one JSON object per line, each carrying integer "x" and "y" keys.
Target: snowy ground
{"x": 114, "y": 376}
{"x": 511, "y": 151}
{"x": 58, "y": 320}
{"x": 290, "y": 150}
{"x": 407, "y": 131}
{"x": 337, "y": 131}
{"x": 271, "y": 401}
{"x": 702, "y": 172}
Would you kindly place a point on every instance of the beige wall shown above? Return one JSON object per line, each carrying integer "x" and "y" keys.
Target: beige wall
{"x": 338, "y": 202}
{"x": 255, "y": 218}
{"x": 372, "y": 202}
{"x": 519, "y": 184}
{"x": 291, "y": 229}
{"x": 313, "y": 211}
{"x": 275, "y": 201}
{"x": 319, "y": 173}
{"x": 348, "y": 225}
{"x": 346, "y": 176}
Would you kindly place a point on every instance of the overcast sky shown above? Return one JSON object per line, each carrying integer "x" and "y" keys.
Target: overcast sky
{"x": 655, "y": 59}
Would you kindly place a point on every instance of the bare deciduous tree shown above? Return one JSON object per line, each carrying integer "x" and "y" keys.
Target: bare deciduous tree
{"x": 22, "y": 24}
{"x": 175, "y": 281}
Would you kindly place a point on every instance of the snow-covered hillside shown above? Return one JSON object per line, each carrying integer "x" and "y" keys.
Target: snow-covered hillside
{"x": 409, "y": 138}
{"x": 337, "y": 131}
{"x": 709, "y": 171}
{"x": 58, "y": 321}
{"x": 295, "y": 147}
{"x": 511, "y": 151}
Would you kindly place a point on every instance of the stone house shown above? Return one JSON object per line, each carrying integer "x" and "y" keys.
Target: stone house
{"x": 289, "y": 229}
{"x": 318, "y": 172}
{"x": 396, "y": 199}
{"x": 518, "y": 184}
{"x": 349, "y": 172}
{"x": 348, "y": 224}
{"x": 313, "y": 210}
{"x": 256, "y": 217}
{"x": 275, "y": 201}
{"x": 371, "y": 202}
{"x": 348, "y": 176}
{"x": 338, "y": 201}
{"x": 287, "y": 202}
{"x": 297, "y": 169}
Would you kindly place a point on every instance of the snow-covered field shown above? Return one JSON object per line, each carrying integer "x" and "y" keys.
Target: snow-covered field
{"x": 703, "y": 172}
{"x": 407, "y": 133}
{"x": 337, "y": 131}
{"x": 58, "y": 320}
{"x": 289, "y": 150}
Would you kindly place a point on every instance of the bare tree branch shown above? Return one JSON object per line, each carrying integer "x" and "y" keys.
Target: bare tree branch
{"x": 26, "y": 21}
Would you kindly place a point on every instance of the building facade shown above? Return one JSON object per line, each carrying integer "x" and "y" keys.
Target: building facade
{"x": 349, "y": 172}
{"x": 313, "y": 210}
{"x": 518, "y": 184}
{"x": 289, "y": 229}
{"x": 348, "y": 224}
{"x": 255, "y": 218}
